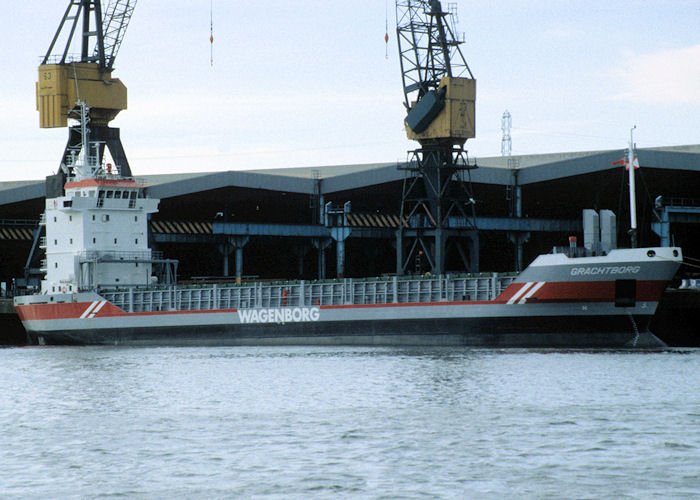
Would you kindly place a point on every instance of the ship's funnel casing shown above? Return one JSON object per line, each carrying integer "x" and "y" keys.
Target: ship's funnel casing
{"x": 599, "y": 232}
{"x": 608, "y": 231}
{"x": 591, "y": 232}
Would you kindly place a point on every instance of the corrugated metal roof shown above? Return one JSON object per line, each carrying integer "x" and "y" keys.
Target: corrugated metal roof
{"x": 492, "y": 170}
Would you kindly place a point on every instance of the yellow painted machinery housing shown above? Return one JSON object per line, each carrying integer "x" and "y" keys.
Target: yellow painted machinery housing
{"x": 456, "y": 120}
{"x": 60, "y": 86}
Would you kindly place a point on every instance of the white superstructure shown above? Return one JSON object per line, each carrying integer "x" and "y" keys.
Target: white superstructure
{"x": 97, "y": 232}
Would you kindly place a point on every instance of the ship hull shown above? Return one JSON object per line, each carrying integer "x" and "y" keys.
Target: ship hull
{"x": 598, "y": 302}
{"x": 486, "y": 328}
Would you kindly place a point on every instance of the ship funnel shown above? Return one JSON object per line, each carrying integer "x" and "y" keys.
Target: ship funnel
{"x": 591, "y": 232}
{"x": 608, "y": 231}
{"x": 599, "y": 232}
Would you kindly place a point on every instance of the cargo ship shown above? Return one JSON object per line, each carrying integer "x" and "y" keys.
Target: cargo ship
{"x": 104, "y": 285}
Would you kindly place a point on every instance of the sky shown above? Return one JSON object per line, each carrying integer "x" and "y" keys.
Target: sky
{"x": 308, "y": 83}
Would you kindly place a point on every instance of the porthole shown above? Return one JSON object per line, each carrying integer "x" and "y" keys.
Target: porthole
{"x": 651, "y": 253}
{"x": 675, "y": 253}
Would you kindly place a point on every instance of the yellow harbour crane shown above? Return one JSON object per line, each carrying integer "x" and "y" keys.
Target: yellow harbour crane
{"x": 437, "y": 206}
{"x": 66, "y": 77}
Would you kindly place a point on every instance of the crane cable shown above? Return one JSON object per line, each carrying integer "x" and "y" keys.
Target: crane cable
{"x": 386, "y": 29}
{"x": 211, "y": 32}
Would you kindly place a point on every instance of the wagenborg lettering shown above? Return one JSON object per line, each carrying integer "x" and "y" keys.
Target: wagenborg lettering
{"x": 279, "y": 315}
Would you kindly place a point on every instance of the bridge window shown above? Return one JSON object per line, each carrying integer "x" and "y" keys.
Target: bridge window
{"x": 118, "y": 195}
{"x": 110, "y": 194}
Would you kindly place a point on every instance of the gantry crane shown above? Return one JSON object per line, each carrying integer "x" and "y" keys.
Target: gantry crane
{"x": 437, "y": 208}
{"x": 65, "y": 77}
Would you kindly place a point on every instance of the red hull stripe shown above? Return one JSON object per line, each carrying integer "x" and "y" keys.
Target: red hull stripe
{"x": 592, "y": 291}
{"x": 572, "y": 291}
{"x": 87, "y": 310}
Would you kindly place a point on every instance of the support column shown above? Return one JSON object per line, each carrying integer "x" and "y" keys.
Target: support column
{"x": 439, "y": 251}
{"x": 340, "y": 234}
{"x": 321, "y": 244}
{"x": 225, "y": 249}
{"x": 238, "y": 242}
{"x": 399, "y": 252}
{"x": 663, "y": 227}
{"x": 518, "y": 239}
{"x": 473, "y": 251}
{"x": 300, "y": 250}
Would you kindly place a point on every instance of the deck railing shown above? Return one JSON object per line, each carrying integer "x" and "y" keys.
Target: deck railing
{"x": 303, "y": 293}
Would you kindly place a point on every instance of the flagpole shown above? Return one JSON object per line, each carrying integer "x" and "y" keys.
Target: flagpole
{"x": 633, "y": 191}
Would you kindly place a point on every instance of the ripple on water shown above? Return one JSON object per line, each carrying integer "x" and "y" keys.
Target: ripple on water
{"x": 348, "y": 422}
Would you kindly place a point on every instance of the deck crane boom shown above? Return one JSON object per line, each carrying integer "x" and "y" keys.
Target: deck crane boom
{"x": 437, "y": 208}
{"x": 66, "y": 77}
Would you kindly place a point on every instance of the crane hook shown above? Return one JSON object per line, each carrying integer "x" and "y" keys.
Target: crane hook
{"x": 211, "y": 32}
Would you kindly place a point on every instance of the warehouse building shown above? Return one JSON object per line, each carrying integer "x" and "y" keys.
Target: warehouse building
{"x": 333, "y": 221}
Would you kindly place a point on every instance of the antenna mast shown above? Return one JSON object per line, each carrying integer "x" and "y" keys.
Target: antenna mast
{"x": 633, "y": 191}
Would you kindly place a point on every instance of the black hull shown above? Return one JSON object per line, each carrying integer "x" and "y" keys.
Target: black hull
{"x": 677, "y": 319}
{"x": 590, "y": 332}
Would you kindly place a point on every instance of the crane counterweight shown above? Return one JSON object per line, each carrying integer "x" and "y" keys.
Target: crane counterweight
{"x": 60, "y": 86}
{"x": 454, "y": 121}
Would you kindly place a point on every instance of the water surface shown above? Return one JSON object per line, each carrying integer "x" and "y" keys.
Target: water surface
{"x": 296, "y": 422}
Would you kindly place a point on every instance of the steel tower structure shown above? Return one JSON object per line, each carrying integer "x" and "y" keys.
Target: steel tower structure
{"x": 66, "y": 78}
{"x": 437, "y": 208}
{"x": 506, "y": 142}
